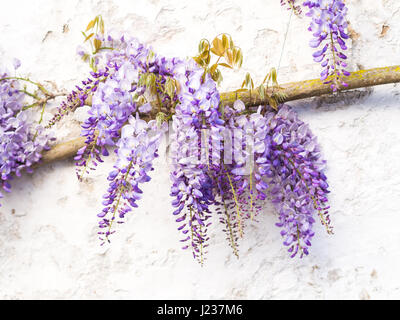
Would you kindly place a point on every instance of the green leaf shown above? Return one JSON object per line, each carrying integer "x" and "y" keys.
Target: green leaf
{"x": 267, "y": 78}
{"x": 225, "y": 42}
{"x": 85, "y": 57}
{"x": 237, "y": 57}
{"x": 229, "y": 56}
{"x": 217, "y": 76}
{"x": 247, "y": 80}
{"x": 217, "y": 48}
{"x": 102, "y": 26}
{"x": 261, "y": 91}
{"x": 150, "y": 56}
{"x": 204, "y": 55}
{"x": 90, "y": 25}
{"x": 213, "y": 69}
{"x": 170, "y": 87}
{"x": 142, "y": 79}
{"x": 89, "y": 36}
{"x": 204, "y": 45}
{"x": 225, "y": 65}
{"x": 280, "y": 96}
{"x": 200, "y": 61}
{"x": 272, "y": 102}
{"x": 97, "y": 44}
{"x": 274, "y": 76}
{"x": 151, "y": 80}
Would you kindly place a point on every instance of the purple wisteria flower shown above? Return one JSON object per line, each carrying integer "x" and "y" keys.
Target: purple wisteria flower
{"x": 197, "y": 124}
{"x": 224, "y": 159}
{"x": 78, "y": 96}
{"x": 329, "y": 29}
{"x": 248, "y": 134}
{"x": 112, "y": 102}
{"x": 276, "y": 157}
{"x": 292, "y": 5}
{"x": 22, "y": 140}
{"x": 136, "y": 150}
{"x": 294, "y": 170}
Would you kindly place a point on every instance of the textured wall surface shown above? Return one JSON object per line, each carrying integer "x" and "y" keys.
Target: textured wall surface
{"x": 48, "y": 224}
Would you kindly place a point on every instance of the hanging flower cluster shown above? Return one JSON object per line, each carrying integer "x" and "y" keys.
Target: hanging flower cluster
{"x": 21, "y": 138}
{"x": 275, "y": 156}
{"x": 292, "y": 5}
{"x": 196, "y": 114}
{"x": 225, "y": 160}
{"x": 136, "y": 150}
{"x": 298, "y": 186}
{"x": 78, "y": 97}
{"x": 329, "y": 29}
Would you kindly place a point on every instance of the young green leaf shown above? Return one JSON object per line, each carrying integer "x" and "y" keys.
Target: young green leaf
{"x": 170, "y": 87}
{"x": 89, "y": 36}
{"x": 90, "y": 25}
{"x": 225, "y": 65}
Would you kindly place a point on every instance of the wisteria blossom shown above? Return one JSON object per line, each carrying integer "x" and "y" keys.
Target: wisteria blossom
{"x": 196, "y": 115}
{"x": 294, "y": 170}
{"x": 329, "y": 29}
{"x": 137, "y": 148}
{"x": 292, "y": 5}
{"x": 22, "y": 139}
{"x": 225, "y": 160}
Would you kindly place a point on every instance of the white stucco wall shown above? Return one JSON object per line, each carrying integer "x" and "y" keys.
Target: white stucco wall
{"x": 48, "y": 224}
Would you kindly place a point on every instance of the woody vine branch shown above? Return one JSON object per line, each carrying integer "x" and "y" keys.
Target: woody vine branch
{"x": 291, "y": 92}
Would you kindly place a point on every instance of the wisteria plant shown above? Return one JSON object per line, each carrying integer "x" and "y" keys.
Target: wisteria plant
{"x": 22, "y": 137}
{"x": 226, "y": 160}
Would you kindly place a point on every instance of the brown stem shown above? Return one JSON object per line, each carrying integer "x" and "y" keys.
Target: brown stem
{"x": 292, "y": 91}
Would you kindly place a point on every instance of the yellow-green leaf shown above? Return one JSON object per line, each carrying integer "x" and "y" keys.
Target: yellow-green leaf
{"x": 219, "y": 77}
{"x": 142, "y": 79}
{"x": 102, "y": 26}
{"x": 199, "y": 61}
{"x": 267, "y": 78}
{"x": 261, "y": 91}
{"x": 97, "y": 44}
{"x": 229, "y": 56}
{"x": 231, "y": 43}
{"x": 237, "y": 57}
{"x": 241, "y": 90}
{"x": 272, "y": 103}
{"x": 204, "y": 45}
{"x": 204, "y": 55}
{"x": 207, "y": 60}
{"x": 216, "y": 75}
{"x": 247, "y": 79}
{"x": 150, "y": 80}
{"x": 213, "y": 69}
{"x": 89, "y": 36}
{"x": 90, "y": 25}
{"x": 217, "y": 47}
{"x": 170, "y": 87}
{"x": 225, "y": 65}
{"x": 274, "y": 76}
{"x": 225, "y": 42}
{"x": 85, "y": 57}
